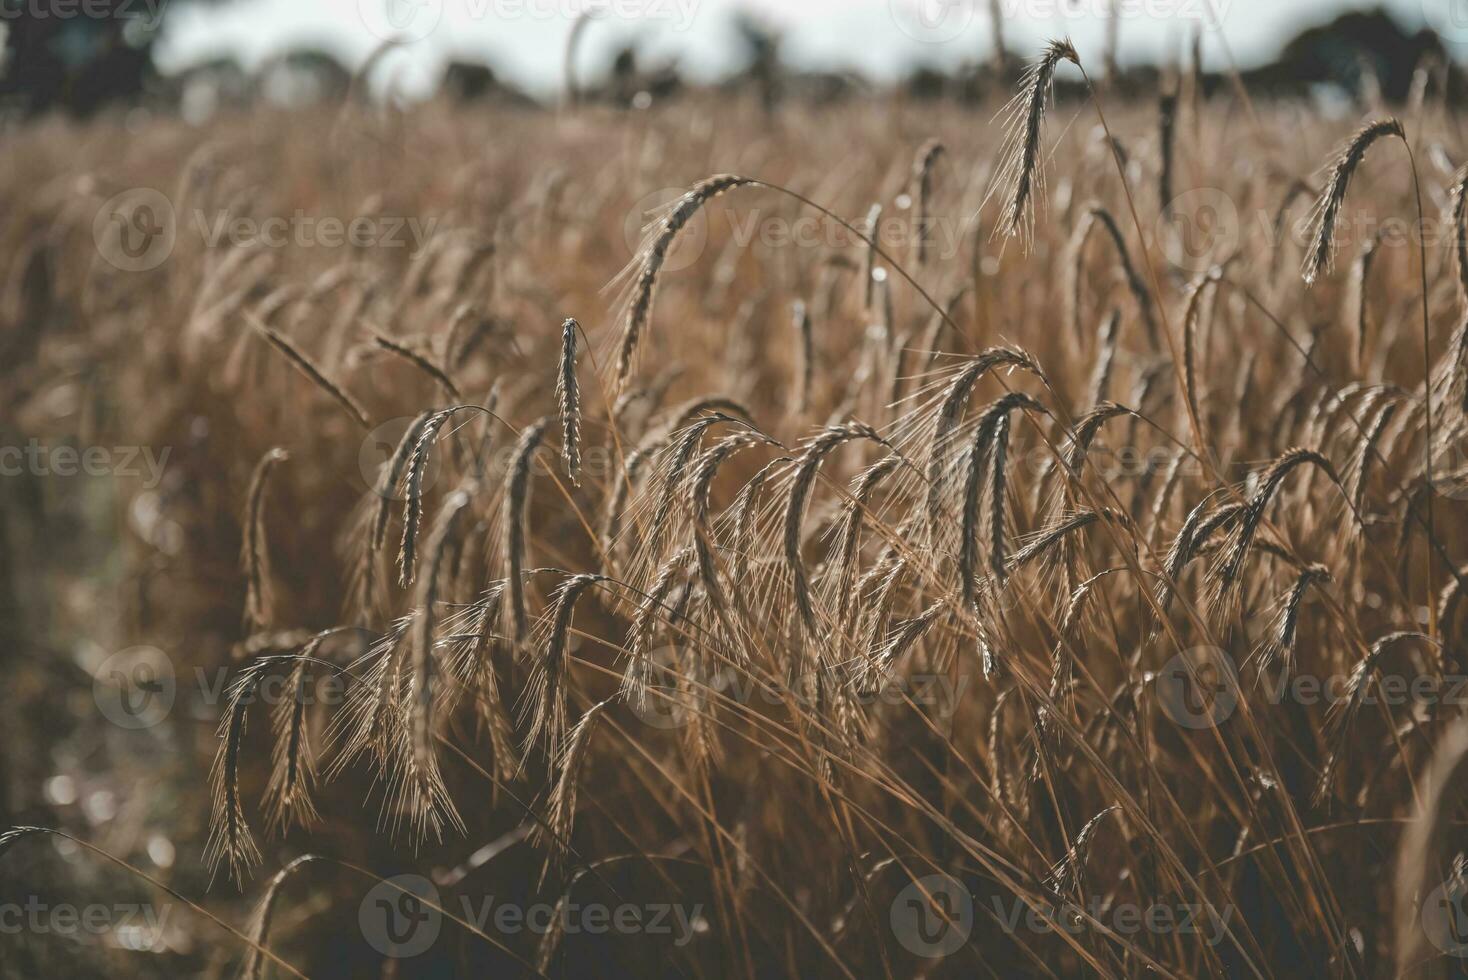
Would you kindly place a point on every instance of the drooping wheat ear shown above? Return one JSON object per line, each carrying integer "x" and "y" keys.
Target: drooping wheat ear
{"x": 624, "y": 478}
{"x": 1360, "y": 277}
{"x": 1452, "y": 595}
{"x": 1197, "y": 291}
{"x": 1088, "y": 428}
{"x": 573, "y": 42}
{"x": 545, "y": 694}
{"x": 900, "y": 639}
{"x": 482, "y": 672}
{"x": 555, "y": 833}
{"x": 1342, "y": 715}
{"x": 698, "y": 493}
{"x": 1321, "y": 254}
{"x": 1430, "y": 867}
{"x": 801, "y": 482}
{"x": 998, "y": 483}
{"x": 638, "y": 675}
{"x": 1062, "y": 668}
{"x": 1110, "y": 66}
{"x": 1067, "y": 876}
{"x": 293, "y": 769}
{"x": 745, "y": 508}
{"x": 869, "y": 271}
{"x": 991, "y": 429}
{"x": 1075, "y": 269}
{"x": 804, "y": 357}
{"x": 255, "y": 553}
{"x": 999, "y": 782}
{"x": 1020, "y": 175}
{"x": 1046, "y": 543}
{"x": 229, "y": 833}
{"x": 922, "y": 177}
{"x": 1202, "y": 521}
{"x": 253, "y": 967}
{"x": 882, "y": 582}
{"x": 690, "y": 411}
{"x": 15, "y": 835}
{"x": 1106, "y": 342}
{"x": 568, "y": 399}
{"x": 639, "y": 310}
{"x": 1460, "y": 228}
{"x": 307, "y": 367}
{"x": 950, "y": 412}
{"x": 1166, "y": 133}
{"x": 849, "y": 534}
{"x": 996, "y": 27}
{"x": 1227, "y": 577}
{"x": 1451, "y": 383}
{"x": 1135, "y": 284}
{"x": 673, "y": 464}
{"x": 516, "y": 516}
{"x": 406, "y": 353}
{"x": 425, "y": 600}
{"x": 362, "y": 728}
{"x": 1368, "y": 452}
{"x": 413, "y": 495}
{"x": 898, "y": 373}
{"x": 1279, "y": 647}
{"x": 931, "y": 342}
{"x": 476, "y": 328}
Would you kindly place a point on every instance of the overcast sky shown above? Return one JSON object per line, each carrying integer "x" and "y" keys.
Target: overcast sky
{"x": 525, "y": 39}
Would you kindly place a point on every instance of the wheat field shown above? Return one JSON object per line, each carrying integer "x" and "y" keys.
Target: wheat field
{"x": 886, "y": 538}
